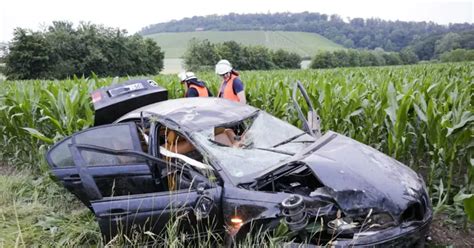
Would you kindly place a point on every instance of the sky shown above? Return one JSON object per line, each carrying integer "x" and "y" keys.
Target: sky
{"x": 133, "y": 15}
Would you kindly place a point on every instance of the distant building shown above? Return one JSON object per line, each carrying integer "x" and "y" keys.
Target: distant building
{"x": 199, "y": 29}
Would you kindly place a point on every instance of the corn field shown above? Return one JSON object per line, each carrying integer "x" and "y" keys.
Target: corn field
{"x": 421, "y": 115}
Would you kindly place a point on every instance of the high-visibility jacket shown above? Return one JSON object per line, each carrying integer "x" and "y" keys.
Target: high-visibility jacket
{"x": 202, "y": 91}
{"x": 228, "y": 91}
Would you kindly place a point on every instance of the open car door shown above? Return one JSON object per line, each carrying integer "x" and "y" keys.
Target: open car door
{"x": 311, "y": 124}
{"x": 112, "y": 177}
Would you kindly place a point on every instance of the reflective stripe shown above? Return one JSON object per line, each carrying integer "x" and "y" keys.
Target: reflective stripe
{"x": 228, "y": 92}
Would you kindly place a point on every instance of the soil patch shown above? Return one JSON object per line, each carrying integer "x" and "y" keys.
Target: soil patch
{"x": 5, "y": 169}
{"x": 446, "y": 232}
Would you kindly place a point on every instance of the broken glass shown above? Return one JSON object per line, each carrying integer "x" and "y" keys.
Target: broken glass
{"x": 254, "y": 151}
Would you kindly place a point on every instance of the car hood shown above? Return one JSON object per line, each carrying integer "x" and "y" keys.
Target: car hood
{"x": 359, "y": 177}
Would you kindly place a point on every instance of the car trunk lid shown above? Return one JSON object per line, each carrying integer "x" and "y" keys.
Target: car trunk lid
{"x": 116, "y": 100}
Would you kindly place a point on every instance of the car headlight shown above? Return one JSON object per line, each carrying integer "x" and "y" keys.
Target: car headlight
{"x": 342, "y": 225}
{"x": 380, "y": 220}
{"x": 370, "y": 222}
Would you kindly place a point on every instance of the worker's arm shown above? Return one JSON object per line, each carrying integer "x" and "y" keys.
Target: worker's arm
{"x": 238, "y": 87}
{"x": 241, "y": 96}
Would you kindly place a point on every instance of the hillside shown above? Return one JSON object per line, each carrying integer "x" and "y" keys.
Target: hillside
{"x": 355, "y": 33}
{"x": 304, "y": 44}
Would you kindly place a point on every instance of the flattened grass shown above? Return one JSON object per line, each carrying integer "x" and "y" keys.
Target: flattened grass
{"x": 35, "y": 211}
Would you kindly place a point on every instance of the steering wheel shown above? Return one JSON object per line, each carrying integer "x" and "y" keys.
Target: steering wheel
{"x": 182, "y": 178}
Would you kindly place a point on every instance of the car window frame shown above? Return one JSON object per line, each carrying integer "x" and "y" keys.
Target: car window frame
{"x": 133, "y": 133}
{"x": 166, "y": 123}
{"x": 48, "y": 154}
{"x": 222, "y": 171}
{"x": 71, "y": 138}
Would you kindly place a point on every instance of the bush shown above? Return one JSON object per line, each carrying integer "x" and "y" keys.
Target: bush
{"x": 353, "y": 58}
{"x": 323, "y": 60}
{"x": 408, "y": 57}
{"x": 63, "y": 51}
{"x": 2, "y": 68}
{"x": 202, "y": 55}
{"x": 458, "y": 55}
{"x": 286, "y": 60}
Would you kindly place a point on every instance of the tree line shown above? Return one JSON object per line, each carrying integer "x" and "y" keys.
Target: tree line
{"x": 457, "y": 55}
{"x": 203, "y": 55}
{"x": 61, "y": 51}
{"x": 355, "y": 33}
{"x": 353, "y": 58}
{"x": 432, "y": 47}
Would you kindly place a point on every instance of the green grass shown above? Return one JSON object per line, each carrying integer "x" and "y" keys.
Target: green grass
{"x": 36, "y": 211}
{"x": 304, "y": 44}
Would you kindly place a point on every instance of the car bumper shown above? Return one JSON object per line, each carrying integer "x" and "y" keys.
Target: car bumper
{"x": 406, "y": 235}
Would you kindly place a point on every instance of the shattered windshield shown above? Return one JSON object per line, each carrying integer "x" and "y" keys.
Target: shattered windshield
{"x": 253, "y": 145}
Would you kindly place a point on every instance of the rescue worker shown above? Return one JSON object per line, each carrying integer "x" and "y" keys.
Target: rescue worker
{"x": 194, "y": 87}
{"x": 231, "y": 87}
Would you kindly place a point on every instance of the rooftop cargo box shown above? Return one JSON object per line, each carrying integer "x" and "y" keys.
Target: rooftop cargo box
{"x": 113, "y": 101}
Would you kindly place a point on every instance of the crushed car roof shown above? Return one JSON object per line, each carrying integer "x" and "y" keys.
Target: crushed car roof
{"x": 195, "y": 113}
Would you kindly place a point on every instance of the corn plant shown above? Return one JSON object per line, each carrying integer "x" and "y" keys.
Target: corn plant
{"x": 421, "y": 115}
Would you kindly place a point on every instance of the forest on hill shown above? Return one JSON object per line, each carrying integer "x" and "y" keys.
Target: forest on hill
{"x": 354, "y": 33}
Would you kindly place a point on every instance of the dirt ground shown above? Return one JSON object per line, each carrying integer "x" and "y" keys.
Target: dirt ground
{"x": 445, "y": 232}
{"x": 5, "y": 169}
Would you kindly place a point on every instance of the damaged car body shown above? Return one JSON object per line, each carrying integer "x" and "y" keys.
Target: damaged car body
{"x": 232, "y": 168}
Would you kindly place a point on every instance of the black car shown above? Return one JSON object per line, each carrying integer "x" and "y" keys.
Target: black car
{"x": 231, "y": 168}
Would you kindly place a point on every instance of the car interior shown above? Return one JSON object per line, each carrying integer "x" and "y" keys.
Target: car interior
{"x": 175, "y": 149}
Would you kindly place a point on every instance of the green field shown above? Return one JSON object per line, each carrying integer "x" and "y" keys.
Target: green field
{"x": 421, "y": 115}
{"x": 304, "y": 44}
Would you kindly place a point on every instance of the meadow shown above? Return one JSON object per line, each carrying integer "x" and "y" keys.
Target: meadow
{"x": 305, "y": 44}
{"x": 421, "y": 115}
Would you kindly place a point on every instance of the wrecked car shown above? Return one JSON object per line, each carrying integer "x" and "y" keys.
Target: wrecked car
{"x": 231, "y": 168}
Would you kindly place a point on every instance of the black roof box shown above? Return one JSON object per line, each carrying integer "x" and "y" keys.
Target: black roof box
{"x": 113, "y": 101}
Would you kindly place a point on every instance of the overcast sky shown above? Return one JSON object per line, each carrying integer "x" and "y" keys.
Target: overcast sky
{"x": 132, "y": 15}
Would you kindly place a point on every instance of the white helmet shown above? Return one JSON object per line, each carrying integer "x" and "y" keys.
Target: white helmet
{"x": 186, "y": 75}
{"x": 223, "y": 67}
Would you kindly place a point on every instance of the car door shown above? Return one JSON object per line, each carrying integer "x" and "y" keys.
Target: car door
{"x": 158, "y": 212}
{"x": 192, "y": 210}
{"x": 311, "y": 123}
{"x": 114, "y": 175}
{"x": 132, "y": 212}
